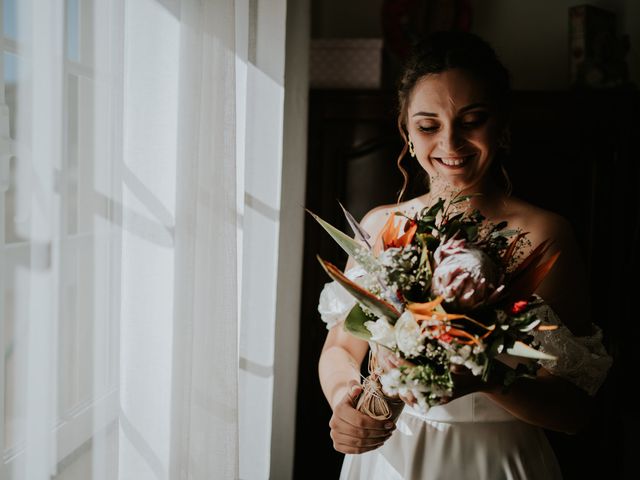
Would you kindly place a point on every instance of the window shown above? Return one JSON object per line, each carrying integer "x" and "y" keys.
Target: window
{"x": 84, "y": 326}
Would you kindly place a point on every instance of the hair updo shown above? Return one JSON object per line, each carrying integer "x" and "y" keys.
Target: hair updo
{"x": 443, "y": 51}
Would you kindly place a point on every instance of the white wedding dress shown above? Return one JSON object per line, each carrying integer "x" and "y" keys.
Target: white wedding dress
{"x": 472, "y": 437}
{"x": 469, "y": 438}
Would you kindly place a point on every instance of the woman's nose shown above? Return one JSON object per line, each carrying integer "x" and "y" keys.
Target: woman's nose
{"x": 451, "y": 140}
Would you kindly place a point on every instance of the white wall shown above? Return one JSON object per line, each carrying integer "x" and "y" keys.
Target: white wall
{"x": 531, "y": 36}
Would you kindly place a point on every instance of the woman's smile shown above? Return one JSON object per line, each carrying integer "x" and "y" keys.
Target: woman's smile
{"x": 454, "y": 163}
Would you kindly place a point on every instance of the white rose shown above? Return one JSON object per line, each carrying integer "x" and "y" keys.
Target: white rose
{"x": 474, "y": 367}
{"x": 461, "y": 356}
{"x": 408, "y": 336}
{"x": 335, "y": 302}
{"x": 382, "y": 332}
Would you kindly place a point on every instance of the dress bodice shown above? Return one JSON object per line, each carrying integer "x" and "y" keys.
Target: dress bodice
{"x": 475, "y": 407}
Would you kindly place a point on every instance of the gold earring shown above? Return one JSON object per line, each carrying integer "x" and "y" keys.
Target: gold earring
{"x": 412, "y": 151}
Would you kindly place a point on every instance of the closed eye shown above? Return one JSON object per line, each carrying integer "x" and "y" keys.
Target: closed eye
{"x": 475, "y": 119}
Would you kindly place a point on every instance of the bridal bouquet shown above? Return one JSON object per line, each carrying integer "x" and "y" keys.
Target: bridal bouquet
{"x": 439, "y": 289}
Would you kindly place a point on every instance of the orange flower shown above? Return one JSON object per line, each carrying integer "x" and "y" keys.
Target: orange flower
{"x": 433, "y": 311}
{"x": 390, "y": 232}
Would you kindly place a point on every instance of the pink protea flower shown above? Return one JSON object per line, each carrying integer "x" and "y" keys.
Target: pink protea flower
{"x": 464, "y": 276}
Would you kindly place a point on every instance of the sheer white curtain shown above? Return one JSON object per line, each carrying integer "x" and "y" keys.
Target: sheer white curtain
{"x": 120, "y": 220}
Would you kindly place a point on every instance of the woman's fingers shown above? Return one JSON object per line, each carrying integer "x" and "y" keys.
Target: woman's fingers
{"x": 346, "y": 411}
{"x": 350, "y": 449}
{"x": 357, "y": 423}
{"x": 386, "y": 364}
{"x": 351, "y": 398}
{"x": 409, "y": 399}
{"x": 365, "y": 430}
{"x": 388, "y": 360}
{"x": 360, "y": 442}
{"x": 348, "y": 439}
{"x": 353, "y": 431}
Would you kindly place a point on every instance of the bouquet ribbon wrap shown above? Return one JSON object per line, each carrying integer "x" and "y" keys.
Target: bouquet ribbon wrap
{"x": 372, "y": 401}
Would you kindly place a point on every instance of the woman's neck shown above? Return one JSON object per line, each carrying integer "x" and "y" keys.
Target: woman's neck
{"x": 486, "y": 196}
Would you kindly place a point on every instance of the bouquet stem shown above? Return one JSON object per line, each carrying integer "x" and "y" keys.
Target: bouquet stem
{"x": 372, "y": 401}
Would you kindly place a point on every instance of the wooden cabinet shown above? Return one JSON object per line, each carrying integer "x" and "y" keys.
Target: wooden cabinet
{"x": 573, "y": 153}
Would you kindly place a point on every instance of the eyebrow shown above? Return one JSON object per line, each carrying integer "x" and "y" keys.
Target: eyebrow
{"x": 462, "y": 110}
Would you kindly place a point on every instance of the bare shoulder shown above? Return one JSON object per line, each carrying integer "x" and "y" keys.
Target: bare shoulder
{"x": 571, "y": 304}
{"x": 376, "y": 218}
{"x": 541, "y": 224}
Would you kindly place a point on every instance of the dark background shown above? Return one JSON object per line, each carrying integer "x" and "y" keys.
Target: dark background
{"x": 575, "y": 152}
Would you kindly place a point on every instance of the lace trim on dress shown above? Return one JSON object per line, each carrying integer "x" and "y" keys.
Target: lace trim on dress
{"x": 583, "y": 360}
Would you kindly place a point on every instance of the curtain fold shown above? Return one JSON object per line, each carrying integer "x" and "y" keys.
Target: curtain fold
{"x": 119, "y": 241}
{"x": 206, "y": 433}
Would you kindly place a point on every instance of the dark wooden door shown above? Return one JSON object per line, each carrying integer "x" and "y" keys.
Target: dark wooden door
{"x": 352, "y": 146}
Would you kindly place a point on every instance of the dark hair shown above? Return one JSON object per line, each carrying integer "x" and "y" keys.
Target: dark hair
{"x": 443, "y": 51}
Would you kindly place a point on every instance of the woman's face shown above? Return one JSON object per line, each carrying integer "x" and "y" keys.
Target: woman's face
{"x": 453, "y": 127}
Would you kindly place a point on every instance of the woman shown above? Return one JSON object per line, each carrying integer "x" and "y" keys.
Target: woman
{"x": 454, "y": 109}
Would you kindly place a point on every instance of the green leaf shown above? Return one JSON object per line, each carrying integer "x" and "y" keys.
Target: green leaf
{"x": 456, "y": 218}
{"x": 378, "y": 307}
{"x": 461, "y": 198}
{"x": 361, "y": 254}
{"x": 499, "y": 226}
{"x": 433, "y": 210}
{"x": 471, "y": 232}
{"x": 424, "y": 265}
{"x": 521, "y": 349}
{"x": 360, "y": 232}
{"x": 505, "y": 232}
{"x": 354, "y": 323}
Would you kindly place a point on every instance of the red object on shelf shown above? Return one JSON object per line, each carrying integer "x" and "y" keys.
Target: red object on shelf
{"x": 406, "y": 21}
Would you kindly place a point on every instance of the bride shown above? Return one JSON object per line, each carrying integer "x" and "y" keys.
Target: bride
{"x": 454, "y": 112}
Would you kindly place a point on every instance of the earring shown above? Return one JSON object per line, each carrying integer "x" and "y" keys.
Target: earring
{"x": 412, "y": 151}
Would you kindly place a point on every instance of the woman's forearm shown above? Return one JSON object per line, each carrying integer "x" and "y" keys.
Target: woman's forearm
{"x": 548, "y": 402}
{"x": 337, "y": 370}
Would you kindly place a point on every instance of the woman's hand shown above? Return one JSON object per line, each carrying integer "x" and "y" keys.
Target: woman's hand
{"x": 387, "y": 360}
{"x": 465, "y": 382}
{"x": 353, "y": 431}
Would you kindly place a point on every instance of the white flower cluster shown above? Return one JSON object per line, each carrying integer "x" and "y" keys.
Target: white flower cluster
{"x": 410, "y": 340}
{"x": 405, "y": 335}
{"x": 463, "y": 357}
{"x": 401, "y": 269}
{"x": 395, "y": 383}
